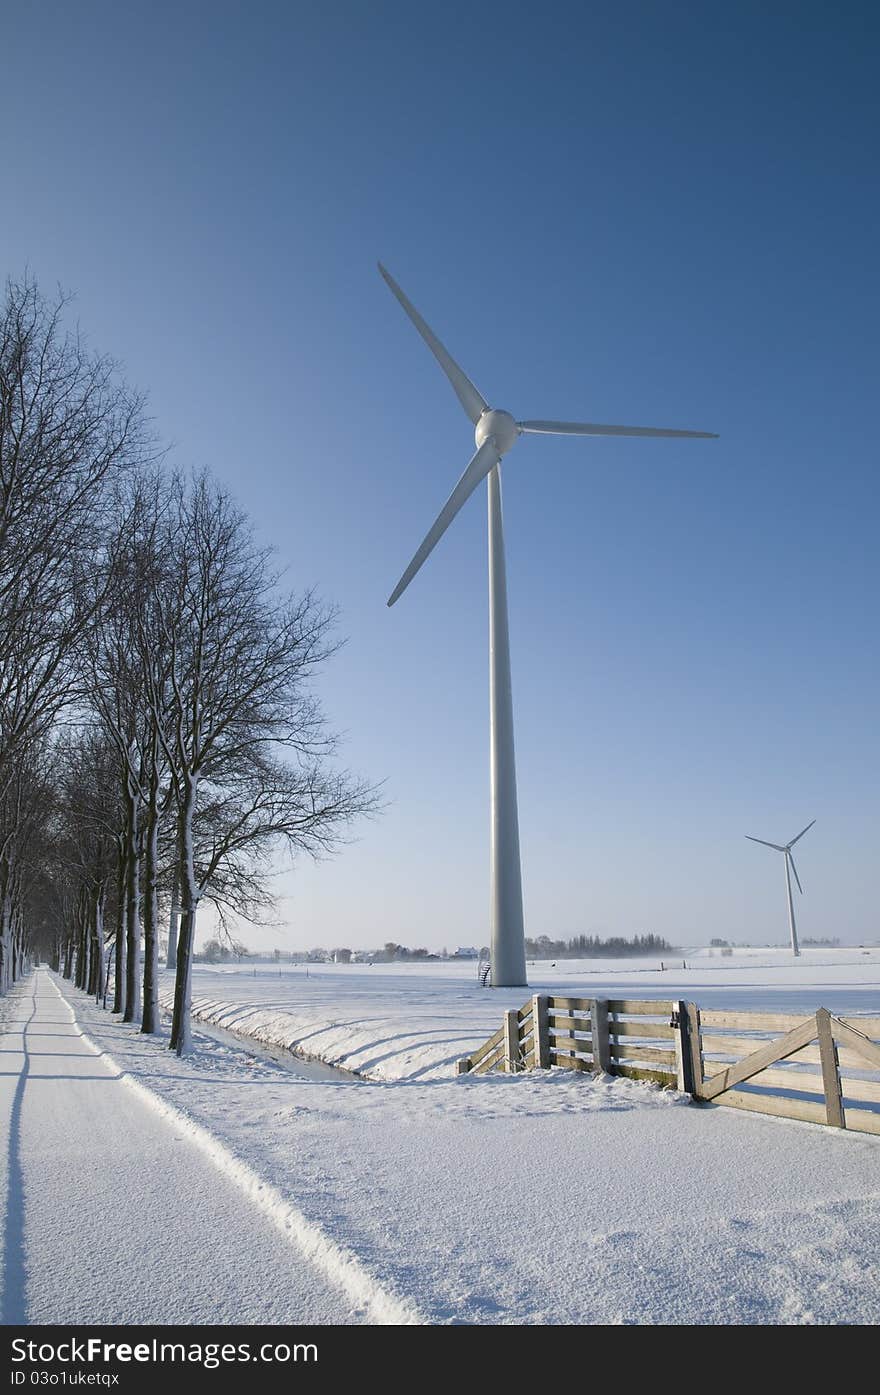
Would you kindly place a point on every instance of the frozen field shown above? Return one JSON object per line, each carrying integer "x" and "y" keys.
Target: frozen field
{"x": 413, "y": 1021}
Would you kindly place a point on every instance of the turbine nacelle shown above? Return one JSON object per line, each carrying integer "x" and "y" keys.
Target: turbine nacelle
{"x": 499, "y": 425}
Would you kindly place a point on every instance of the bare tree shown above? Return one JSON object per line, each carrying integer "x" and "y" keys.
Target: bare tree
{"x": 141, "y": 607}
{"x": 87, "y": 817}
{"x": 243, "y": 657}
{"x": 267, "y": 808}
{"x": 67, "y": 424}
{"x": 24, "y": 810}
{"x": 125, "y": 671}
{"x": 114, "y": 677}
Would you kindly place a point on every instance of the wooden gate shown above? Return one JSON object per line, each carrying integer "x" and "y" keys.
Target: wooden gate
{"x": 822, "y": 1069}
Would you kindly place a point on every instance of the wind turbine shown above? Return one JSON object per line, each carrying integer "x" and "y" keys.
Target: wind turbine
{"x": 785, "y": 849}
{"x": 495, "y": 431}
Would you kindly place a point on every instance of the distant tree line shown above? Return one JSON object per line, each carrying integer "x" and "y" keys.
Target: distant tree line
{"x": 392, "y": 952}
{"x": 593, "y": 947}
{"x": 160, "y": 740}
{"x": 218, "y": 951}
{"x": 581, "y": 947}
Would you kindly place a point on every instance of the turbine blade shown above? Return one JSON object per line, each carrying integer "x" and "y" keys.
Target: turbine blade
{"x": 477, "y": 470}
{"x": 472, "y": 401}
{"x": 796, "y": 877}
{"x": 801, "y": 834}
{"x": 764, "y": 842}
{"x": 590, "y": 428}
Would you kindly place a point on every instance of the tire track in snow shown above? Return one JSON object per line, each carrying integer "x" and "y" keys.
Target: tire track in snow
{"x": 380, "y": 1304}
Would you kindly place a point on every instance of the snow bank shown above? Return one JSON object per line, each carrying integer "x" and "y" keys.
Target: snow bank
{"x": 414, "y": 1021}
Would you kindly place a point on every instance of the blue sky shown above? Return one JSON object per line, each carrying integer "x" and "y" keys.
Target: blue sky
{"x": 655, "y": 214}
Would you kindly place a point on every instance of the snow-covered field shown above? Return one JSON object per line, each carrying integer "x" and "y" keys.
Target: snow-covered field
{"x": 540, "y": 1198}
{"x": 413, "y": 1021}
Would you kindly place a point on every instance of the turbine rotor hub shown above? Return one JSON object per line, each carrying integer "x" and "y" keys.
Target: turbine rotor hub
{"x": 499, "y": 424}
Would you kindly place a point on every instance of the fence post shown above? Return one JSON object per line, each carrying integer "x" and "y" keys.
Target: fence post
{"x": 600, "y": 1035}
{"x": 695, "y": 1047}
{"x": 683, "y": 1064}
{"x": 462, "y": 1066}
{"x": 511, "y": 1041}
{"x": 834, "y": 1114}
{"x": 541, "y": 1031}
{"x": 688, "y": 1048}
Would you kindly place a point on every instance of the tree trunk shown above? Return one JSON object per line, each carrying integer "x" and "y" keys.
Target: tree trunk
{"x": 150, "y": 1021}
{"x": 121, "y": 932}
{"x": 83, "y": 942}
{"x": 5, "y": 933}
{"x": 180, "y": 1025}
{"x": 174, "y": 917}
{"x": 133, "y": 923}
{"x": 97, "y": 975}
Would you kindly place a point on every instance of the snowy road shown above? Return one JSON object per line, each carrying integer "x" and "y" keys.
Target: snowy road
{"x": 112, "y": 1214}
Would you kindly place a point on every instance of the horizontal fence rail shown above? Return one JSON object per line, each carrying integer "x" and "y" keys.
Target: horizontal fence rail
{"x": 822, "y": 1069}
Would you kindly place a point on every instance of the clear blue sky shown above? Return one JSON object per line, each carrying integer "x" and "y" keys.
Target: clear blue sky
{"x": 662, "y": 214}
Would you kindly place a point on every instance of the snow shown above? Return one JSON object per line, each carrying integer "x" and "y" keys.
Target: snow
{"x": 105, "y": 1180}
{"x": 414, "y": 1021}
{"x": 541, "y": 1198}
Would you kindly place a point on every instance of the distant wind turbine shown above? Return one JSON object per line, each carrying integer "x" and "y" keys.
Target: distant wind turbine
{"x": 495, "y": 431}
{"x": 789, "y": 863}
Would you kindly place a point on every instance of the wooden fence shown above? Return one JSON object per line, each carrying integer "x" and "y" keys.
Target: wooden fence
{"x": 822, "y": 1068}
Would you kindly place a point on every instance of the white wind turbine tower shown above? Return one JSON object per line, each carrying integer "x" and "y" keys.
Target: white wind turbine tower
{"x": 495, "y": 431}
{"x": 785, "y": 849}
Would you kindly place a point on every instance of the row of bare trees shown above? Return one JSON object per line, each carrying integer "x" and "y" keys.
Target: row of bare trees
{"x": 160, "y": 741}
